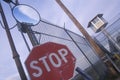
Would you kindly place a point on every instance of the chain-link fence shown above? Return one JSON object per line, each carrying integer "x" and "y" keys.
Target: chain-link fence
{"x": 86, "y": 59}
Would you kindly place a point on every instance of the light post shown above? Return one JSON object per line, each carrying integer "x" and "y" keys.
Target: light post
{"x": 31, "y": 18}
{"x": 14, "y": 51}
{"x": 25, "y": 25}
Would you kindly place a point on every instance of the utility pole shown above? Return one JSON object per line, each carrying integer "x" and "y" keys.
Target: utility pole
{"x": 14, "y": 51}
{"x": 82, "y": 30}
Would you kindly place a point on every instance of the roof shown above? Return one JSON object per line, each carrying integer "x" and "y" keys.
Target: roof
{"x": 98, "y": 15}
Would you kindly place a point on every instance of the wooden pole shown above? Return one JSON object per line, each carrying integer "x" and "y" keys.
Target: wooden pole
{"x": 95, "y": 47}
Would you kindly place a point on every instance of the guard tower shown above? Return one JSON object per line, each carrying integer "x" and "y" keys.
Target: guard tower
{"x": 97, "y": 23}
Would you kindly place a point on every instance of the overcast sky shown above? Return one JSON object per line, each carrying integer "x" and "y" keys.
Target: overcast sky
{"x": 83, "y": 10}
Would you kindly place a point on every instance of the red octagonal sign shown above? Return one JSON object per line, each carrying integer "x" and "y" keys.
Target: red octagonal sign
{"x": 50, "y": 61}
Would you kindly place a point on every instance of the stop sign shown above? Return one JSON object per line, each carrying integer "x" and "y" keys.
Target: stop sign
{"x": 50, "y": 61}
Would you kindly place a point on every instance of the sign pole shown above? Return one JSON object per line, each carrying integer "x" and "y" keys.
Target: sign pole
{"x": 83, "y": 31}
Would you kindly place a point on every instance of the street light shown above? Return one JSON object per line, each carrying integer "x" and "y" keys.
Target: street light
{"x": 14, "y": 51}
{"x": 29, "y": 21}
{"x": 27, "y": 16}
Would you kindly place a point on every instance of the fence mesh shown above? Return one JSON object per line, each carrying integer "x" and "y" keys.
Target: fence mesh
{"x": 86, "y": 59}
